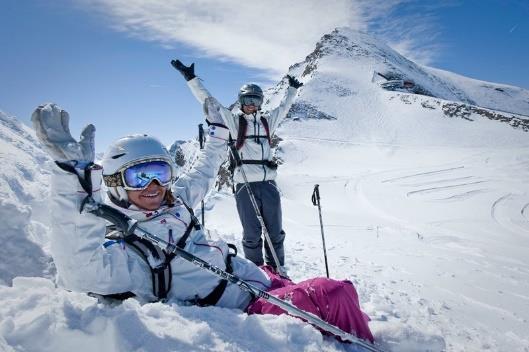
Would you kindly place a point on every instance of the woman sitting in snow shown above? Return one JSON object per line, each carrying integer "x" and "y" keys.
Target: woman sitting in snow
{"x": 139, "y": 174}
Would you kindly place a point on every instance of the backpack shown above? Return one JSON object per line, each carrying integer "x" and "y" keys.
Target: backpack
{"x": 241, "y": 138}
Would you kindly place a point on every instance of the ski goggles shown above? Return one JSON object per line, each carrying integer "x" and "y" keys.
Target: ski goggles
{"x": 139, "y": 176}
{"x": 254, "y": 100}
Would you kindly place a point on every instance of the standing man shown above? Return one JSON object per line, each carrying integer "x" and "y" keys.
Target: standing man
{"x": 253, "y": 130}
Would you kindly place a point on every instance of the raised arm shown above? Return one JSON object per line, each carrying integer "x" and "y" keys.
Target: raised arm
{"x": 201, "y": 94}
{"x": 82, "y": 262}
{"x": 188, "y": 72}
{"x": 195, "y": 184}
{"x": 278, "y": 114}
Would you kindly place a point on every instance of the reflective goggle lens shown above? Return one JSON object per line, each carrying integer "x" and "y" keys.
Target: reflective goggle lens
{"x": 251, "y": 100}
{"x": 140, "y": 175}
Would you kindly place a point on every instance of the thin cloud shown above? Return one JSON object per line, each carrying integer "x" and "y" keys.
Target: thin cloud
{"x": 412, "y": 28}
{"x": 269, "y": 35}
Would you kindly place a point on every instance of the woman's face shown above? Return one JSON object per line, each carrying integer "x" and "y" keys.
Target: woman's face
{"x": 150, "y": 198}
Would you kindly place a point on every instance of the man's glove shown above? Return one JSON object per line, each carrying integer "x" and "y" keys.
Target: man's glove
{"x": 187, "y": 72}
{"x": 293, "y": 82}
{"x": 212, "y": 112}
{"x": 52, "y": 126}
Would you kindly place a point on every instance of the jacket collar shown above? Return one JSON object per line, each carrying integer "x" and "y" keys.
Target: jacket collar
{"x": 249, "y": 116}
{"x": 140, "y": 214}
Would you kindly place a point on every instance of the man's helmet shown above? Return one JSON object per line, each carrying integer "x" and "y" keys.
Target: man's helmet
{"x": 127, "y": 152}
{"x": 251, "y": 94}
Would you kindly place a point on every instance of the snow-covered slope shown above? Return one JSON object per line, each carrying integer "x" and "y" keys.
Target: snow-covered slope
{"x": 425, "y": 198}
{"x": 425, "y": 206}
{"x": 496, "y": 96}
{"x": 23, "y": 209}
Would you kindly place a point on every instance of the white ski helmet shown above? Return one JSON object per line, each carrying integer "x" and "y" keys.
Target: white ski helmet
{"x": 128, "y": 151}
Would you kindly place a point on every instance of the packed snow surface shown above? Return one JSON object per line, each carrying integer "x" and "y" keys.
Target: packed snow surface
{"x": 425, "y": 207}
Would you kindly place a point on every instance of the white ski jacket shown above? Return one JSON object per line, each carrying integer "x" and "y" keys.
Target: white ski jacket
{"x": 257, "y": 148}
{"x": 86, "y": 261}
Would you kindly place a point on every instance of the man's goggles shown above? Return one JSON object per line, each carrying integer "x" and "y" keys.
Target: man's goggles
{"x": 139, "y": 176}
{"x": 254, "y": 100}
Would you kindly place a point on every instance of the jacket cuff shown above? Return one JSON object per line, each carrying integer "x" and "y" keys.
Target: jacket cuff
{"x": 218, "y": 132}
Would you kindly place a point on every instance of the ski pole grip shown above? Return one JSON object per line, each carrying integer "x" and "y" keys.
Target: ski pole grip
{"x": 235, "y": 153}
{"x": 316, "y": 195}
{"x": 114, "y": 216}
{"x": 201, "y": 135}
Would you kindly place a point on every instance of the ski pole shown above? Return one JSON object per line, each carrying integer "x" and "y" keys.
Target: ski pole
{"x": 316, "y": 201}
{"x": 264, "y": 230}
{"x": 130, "y": 226}
{"x": 201, "y": 141}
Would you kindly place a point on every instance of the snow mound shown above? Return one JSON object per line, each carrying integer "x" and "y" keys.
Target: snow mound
{"x": 23, "y": 195}
{"x": 36, "y": 316}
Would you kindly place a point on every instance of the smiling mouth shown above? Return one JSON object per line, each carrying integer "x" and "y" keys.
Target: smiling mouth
{"x": 151, "y": 195}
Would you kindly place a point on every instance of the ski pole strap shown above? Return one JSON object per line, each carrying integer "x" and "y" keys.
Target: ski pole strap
{"x": 316, "y": 195}
{"x": 85, "y": 180}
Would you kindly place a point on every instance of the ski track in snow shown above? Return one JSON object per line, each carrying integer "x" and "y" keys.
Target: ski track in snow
{"x": 509, "y": 210}
{"x": 525, "y": 211}
{"x": 421, "y": 174}
{"x": 443, "y": 188}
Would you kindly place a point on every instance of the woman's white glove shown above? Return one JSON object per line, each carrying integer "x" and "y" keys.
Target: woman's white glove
{"x": 52, "y": 126}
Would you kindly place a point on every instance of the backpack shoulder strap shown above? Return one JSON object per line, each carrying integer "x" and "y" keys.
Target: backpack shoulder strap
{"x": 158, "y": 261}
{"x": 241, "y": 132}
{"x": 264, "y": 121}
{"x": 156, "y": 258}
{"x": 193, "y": 224}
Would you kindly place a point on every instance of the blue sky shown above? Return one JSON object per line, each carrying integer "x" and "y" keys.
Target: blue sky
{"x": 107, "y": 61}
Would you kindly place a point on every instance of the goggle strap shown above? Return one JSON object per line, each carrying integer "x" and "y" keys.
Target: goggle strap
{"x": 113, "y": 180}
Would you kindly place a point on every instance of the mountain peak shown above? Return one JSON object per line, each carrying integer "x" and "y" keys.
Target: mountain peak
{"x": 370, "y": 92}
{"x": 345, "y": 49}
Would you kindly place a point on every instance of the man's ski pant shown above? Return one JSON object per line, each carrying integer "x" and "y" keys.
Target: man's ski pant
{"x": 269, "y": 202}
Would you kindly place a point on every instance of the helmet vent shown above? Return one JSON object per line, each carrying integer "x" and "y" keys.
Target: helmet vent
{"x": 118, "y": 155}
